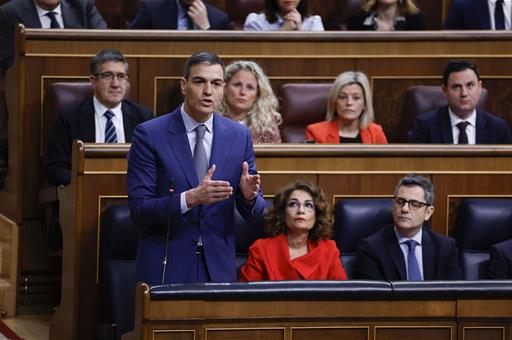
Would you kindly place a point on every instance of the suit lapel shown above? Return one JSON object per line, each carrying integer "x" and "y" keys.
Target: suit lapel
{"x": 86, "y": 122}
{"x": 180, "y": 147}
{"x": 445, "y": 126}
{"x": 128, "y": 122}
{"x": 69, "y": 15}
{"x": 30, "y": 17}
{"x": 482, "y": 10}
{"x": 395, "y": 252}
{"x": 429, "y": 256}
{"x": 333, "y": 135}
{"x": 221, "y": 143}
{"x": 481, "y": 128}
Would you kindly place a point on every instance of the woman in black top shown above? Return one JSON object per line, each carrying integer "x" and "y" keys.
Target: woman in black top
{"x": 387, "y": 15}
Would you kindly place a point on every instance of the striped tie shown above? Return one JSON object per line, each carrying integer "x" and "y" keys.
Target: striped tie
{"x": 110, "y": 129}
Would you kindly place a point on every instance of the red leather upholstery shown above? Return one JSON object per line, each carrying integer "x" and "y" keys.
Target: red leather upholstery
{"x": 238, "y": 10}
{"x": 303, "y": 104}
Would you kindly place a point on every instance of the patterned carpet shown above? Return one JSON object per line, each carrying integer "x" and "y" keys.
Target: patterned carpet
{"x": 7, "y": 333}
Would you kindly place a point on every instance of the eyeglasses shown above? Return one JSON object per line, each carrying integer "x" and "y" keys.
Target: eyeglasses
{"x": 413, "y": 204}
{"x": 109, "y": 76}
{"x": 293, "y": 204}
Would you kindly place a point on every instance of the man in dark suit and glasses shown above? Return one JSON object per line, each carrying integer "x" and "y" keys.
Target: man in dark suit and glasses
{"x": 460, "y": 122}
{"x": 407, "y": 250}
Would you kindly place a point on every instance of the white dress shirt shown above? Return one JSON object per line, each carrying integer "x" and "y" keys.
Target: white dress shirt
{"x": 507, "y": 11}
{"x": 259, "y": 22}
{"x": 101, "y": 121}
{"x": 470, "y": 129}
{"x": 45, "y": 20}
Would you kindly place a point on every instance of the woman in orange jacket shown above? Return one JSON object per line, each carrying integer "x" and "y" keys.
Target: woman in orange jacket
{"x": 350, "y": 114}
{"x": 300, "y": 247}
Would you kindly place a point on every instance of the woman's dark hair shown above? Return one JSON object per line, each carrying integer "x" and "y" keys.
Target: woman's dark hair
{"x": 322, "y": 229}
{"x": 272, "y": 9}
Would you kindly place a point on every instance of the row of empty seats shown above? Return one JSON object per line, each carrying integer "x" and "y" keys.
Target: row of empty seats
{"x": 480, "y": 224}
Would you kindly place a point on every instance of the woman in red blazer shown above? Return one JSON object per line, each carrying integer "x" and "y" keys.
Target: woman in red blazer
{"x": 349, "y": 114}
{"x": 300, "y": 247}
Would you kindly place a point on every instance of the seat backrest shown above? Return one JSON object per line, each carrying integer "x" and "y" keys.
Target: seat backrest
{"x": 302, "y": 104}
{"x": 338, "y": 20}
{"x": 355, "y": 219}
{"x": 246, "y": 232}
{"x": 238, "y": 10}
{"x": 119, "y": 238}
{"x": 423, "y": 98}
{"x": 480, "y": 223}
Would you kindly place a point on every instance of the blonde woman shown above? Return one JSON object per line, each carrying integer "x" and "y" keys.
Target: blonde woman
{"x": 387, "y": 15}
{"x": 350, "y": 115}
{"x": 249, "y": 99}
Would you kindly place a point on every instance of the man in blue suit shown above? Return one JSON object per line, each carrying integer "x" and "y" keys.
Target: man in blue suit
{"x": 476, "y": 15}
{"x": 179, "y": 14}
{"x": 33, "y": 14}
{"x": 407, "y": 250}
{"x": 187, "y": 170}
{"x": 460, "y": 122}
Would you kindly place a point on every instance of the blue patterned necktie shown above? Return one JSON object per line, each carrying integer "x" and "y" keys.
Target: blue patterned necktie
{"x": 53, "y": 21}
{"x": 200, "y": 159}
{"x": 463, "y": 136}
{"x": 110, "y": 129}
{"x": 413, "y": 269}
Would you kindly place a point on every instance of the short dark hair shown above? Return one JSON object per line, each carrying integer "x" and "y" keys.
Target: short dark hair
{"x": 106, "y": 55}
{"x": 322, "y": 228}
{"x": 420, "y": 181}
{"x": 272, "y": 8}
{"x": 204, "y": 57}
{"x": 458, "y": 65}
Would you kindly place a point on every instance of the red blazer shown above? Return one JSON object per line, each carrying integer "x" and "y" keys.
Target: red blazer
{"x": 269, "y": 259}
{"x": 328, "y": 132}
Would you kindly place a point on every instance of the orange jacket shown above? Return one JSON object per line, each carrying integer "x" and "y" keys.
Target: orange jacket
{"x": 269, "y": 259}
{"x": 328, "y": 132}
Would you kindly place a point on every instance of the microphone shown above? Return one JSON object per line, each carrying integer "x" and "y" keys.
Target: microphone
{"x": 170, "y": 230}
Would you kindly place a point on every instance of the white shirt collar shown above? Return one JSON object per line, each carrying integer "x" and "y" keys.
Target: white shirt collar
{"x": 416, "y": 237}
{"x": 100, "y": 109}
{"x": 42, "y": 12}
{"x": 191, "y": 123}
{"x": 454, "y": 119}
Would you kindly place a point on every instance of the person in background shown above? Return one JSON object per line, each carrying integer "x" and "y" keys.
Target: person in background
{"x": 299, "y": 247}
{"x": 284, "y": 15}
{"x": 479, "y": 15}
{"x": 350, "y": 114}
{"x": 407, "y": 250}
{"x": 500, "y": 265}
{"x": 180, "y": 15}
{"x": 249, "y": 99}
{"x": 43, "y": 14}
{"x": 387, "y": 15}
{"x": 460, "y": 121}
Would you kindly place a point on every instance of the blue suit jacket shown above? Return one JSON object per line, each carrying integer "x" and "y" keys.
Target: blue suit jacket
{"x": 163, "y": 14}
{"x": 500, "y": 266}
{"x": 468, "y": 15}
{"x": 379, "y": 257}
{"x": 435, "y": 127}
{"x": 160, "y": 152}
{"x": 75, "y": 13}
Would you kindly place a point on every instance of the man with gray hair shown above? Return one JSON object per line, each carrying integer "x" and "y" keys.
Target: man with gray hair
{"x": 407, "y": 250}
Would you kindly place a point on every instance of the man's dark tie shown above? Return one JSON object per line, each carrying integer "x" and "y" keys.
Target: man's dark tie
{"x": 110, "y": 129}
{"x": 53, "y": 21}
{"x": 413, "y": 269}
{"x": 463, "y": 136}
{"x": 200, "y": 159}
{"x": 499, "y": 16}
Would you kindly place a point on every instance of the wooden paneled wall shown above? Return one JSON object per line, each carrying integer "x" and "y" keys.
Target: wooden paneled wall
{"x": 99, "y": 180}
{"x": 393, "y": 61}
